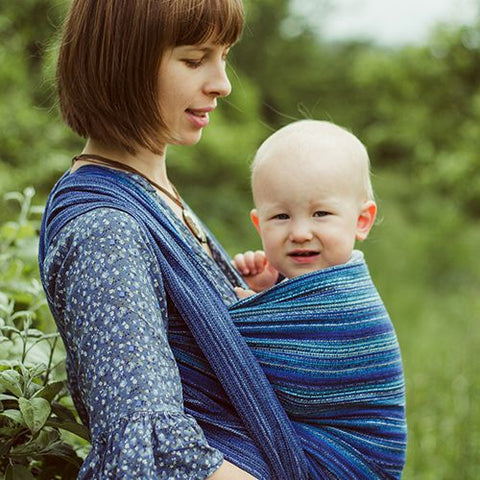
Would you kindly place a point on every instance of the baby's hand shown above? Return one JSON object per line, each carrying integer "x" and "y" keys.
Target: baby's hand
{"x": 242, "y": 293}
{"x": 256, "y": 270}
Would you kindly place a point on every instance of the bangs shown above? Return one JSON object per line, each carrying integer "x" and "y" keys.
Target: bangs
{"x": 196, "y": 21}
{"x": 111, "y": 51}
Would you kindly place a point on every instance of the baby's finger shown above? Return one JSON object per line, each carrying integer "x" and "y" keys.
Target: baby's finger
{"x": 250, "y": 263}
{"x": 242, "y": 293}
{"x": 260, "y": 260}
{"x": 240, "y": 264}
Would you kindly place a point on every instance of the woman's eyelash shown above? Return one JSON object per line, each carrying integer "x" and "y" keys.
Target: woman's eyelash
{"x": 193, "y": 63}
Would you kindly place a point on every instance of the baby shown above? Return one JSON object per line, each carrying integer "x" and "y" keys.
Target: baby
{"x": 313, "y": 196}
{"x": 323, "y": 335}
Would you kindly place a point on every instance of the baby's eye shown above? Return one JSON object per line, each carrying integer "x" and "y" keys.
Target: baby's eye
{"x": 280, "y": 216}
{"x": 321, "y": 213}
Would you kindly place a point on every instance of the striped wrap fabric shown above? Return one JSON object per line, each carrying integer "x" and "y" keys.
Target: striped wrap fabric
{"x": 197, "y": 301}
{"x": 327, "y": 345}
{"x": 311, "y": 366}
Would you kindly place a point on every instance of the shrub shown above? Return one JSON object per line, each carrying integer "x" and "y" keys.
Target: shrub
{"x": 37, "y": 418}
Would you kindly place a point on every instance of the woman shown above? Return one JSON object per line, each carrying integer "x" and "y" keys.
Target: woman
{"x": 131, "y": 274}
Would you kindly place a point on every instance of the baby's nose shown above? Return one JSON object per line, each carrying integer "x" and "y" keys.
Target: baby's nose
{"x": 300, "y": 233}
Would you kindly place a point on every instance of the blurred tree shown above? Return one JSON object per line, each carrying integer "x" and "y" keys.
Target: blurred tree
{"x": 281, "y": 70}
{"x": 424, "y": 113}
{"x": 32, "y": 140}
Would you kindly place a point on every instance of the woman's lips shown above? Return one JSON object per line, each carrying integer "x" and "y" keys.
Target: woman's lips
{"x": 199, "y": 118}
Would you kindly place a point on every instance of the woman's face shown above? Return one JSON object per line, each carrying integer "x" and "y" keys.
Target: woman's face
{"x": 191, "y": 78}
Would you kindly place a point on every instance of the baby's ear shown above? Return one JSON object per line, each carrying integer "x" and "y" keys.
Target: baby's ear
{"x": 366, "y": 219}
{"x": 254, "y": 219}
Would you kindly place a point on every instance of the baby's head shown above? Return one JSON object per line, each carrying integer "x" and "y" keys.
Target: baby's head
{"x": 313, "y": 196}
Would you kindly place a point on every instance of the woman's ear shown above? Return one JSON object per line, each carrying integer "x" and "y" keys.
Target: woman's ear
{"x": 254, "y": 219}
{"x": 366, "y": 219}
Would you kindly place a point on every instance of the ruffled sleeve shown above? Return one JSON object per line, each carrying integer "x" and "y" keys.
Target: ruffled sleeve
{"x": 109, "y": 303}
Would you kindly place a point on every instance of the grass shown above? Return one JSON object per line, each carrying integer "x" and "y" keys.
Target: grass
{"x": 440, "y": 353}
{"x": 424, "y": 259}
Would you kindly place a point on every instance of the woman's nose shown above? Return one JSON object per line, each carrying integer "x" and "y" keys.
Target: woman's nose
{"x": 218, "y": 84}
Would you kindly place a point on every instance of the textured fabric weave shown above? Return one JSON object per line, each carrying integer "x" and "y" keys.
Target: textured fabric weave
{"x": 196, "y": 299}
{"x": 328, "y": 347}
{"x": 324, "y": 341}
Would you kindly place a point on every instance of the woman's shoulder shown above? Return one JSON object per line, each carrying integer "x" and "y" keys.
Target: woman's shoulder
{"x": 100, "y": 232}
{"x": 102, "y": 223}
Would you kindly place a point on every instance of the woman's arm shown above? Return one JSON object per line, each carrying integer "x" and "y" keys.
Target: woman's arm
{"x": 113, "y": 321}
{"x": 229, "y": 471}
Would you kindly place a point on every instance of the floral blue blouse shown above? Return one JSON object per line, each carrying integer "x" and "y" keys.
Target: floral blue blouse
{"x": 122, "y": 373}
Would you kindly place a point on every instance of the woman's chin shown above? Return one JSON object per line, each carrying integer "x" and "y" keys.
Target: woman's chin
{"x": 187, "y": 139}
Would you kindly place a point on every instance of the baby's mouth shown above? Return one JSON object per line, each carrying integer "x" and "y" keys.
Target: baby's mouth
{"x": 304, "y": 253}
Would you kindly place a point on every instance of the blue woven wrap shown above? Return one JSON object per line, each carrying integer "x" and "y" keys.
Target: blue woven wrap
{"x": 311, "y": 366}
{"x": 196, "y": 299}
{"x": 327, "y": 345}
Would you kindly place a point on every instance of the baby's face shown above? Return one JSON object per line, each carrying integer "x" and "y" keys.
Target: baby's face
{"x": 308, "y": 212}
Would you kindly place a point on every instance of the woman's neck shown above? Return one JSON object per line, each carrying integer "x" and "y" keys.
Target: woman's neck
{"x": 150, "y": 164}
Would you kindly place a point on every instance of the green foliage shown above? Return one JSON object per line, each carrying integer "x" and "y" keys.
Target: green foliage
{"x": 424, "y": 261}
{"x": 33, "y": 142}
{"x": 34, "y": 403}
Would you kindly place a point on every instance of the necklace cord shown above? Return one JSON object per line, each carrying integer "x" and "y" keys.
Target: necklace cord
{"x": 191, "y": 223}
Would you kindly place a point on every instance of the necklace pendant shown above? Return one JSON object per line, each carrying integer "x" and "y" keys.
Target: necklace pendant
{"x": 194, "y": 226}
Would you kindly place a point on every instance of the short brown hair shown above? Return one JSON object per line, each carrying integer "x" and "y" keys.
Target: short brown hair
{"x": 107, "y": 72}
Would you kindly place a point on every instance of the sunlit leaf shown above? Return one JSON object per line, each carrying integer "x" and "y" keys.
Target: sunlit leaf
{"x": 35, "y": 411}
{"x": 12, "y": 381}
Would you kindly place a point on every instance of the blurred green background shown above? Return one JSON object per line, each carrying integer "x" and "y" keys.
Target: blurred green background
{"x": 417, "y": 109}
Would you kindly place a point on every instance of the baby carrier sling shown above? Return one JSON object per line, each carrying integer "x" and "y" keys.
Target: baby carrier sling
{"x": 197, "y": 301}
{"x": 345, "y": 409}
{"x": 328, "y": 347}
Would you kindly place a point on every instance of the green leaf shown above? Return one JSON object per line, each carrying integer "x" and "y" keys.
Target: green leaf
{"x": 9, "y": 230}
{"x": 18, "y": 472}
{"x": 41, "y": 444}
{"x": 7, "y": 402}
{"x": 14, "y": 415}
{"x": 12, "y": 381}
{"x": 4, "y": 396}
{"x": 63, "y": 413}
{"x": 66, "y": 452}
{"x": 7, "y": 328}
{"x": 50, "y": 391}
{"x": 77, "y": 428}
{"x": 35, "y": 412}
{"x": 26, "y": 230}
{"x": 5, "y": 305}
